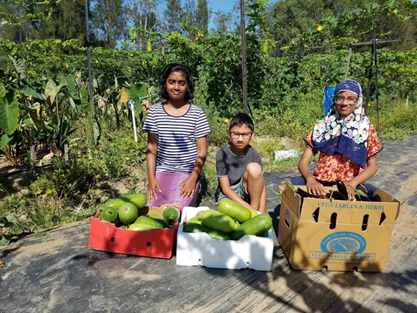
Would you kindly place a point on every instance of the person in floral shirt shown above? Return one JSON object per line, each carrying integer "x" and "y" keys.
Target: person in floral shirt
{"x": 347, "y": 143}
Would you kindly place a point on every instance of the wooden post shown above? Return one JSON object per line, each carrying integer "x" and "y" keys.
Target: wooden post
{"x": 32, "y": 156}
{"x": 90, "y": 83}
{"x": 348, "y": 61}
{"x": 66, "y": 158}
{"x": 244, "y": 70}
{"x": 368, "y": 93}
{"x": 376, "y": 85}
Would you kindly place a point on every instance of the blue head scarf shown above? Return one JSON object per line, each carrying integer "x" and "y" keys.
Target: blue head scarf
{"x": 347, "y": 136}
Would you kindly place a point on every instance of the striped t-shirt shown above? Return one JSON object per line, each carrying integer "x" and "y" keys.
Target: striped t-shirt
{"x": 177, "y": 136}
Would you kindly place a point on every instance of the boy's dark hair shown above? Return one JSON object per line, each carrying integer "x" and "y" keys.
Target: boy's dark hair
{"x": 242, "y": 119}
{"x": 175, "y": 67}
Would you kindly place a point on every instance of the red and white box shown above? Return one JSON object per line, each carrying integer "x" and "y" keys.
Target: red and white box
{"x": 157, "y": 243}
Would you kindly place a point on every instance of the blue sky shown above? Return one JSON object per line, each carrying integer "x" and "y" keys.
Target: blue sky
{"x": 214, "y": 6}
{"x": 224, "y": 6}
{"x": 221, "y": 5}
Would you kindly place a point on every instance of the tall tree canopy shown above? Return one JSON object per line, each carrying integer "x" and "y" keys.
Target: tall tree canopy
{"x": 202, "y": 16}
{"x": 289, "y": 21}
{"x": 109, "y": 24}
{"x": 326, "y": 21}
{"x": 67, "y": 22}
{"x": 292, "y": 17}
{"x": 172, "y": 16}
{"x": 144, "y": 17}
{"x": 21, "y": 18}
{"x": 184, "y": 16}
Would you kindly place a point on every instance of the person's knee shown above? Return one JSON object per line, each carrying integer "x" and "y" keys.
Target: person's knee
{"x": 254, "y": 170}
{"x": 298, "y": 180}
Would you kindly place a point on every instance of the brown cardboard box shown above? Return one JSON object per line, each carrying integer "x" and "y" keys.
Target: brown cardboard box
{"x": 335, "y": 234}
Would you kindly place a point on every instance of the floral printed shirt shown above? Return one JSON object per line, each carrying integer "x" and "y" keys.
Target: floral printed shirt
{"x": 337, "y": 166}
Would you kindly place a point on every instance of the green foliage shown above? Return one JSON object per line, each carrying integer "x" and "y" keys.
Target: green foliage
{"x": 8, "y": 221}
{"x": 397, "y": 119}
{"x": 19, "y": 14}
{"x": 67, "y": 21}
{"x": 281, "y": 165}
{"x": 173, "y": 15}
{"x": 209, "y": 178}
{"x": 108, "y": 18}
{"x": 9, "y": 112}
{"x": 218, "y": 123}
{"x": 292, "y": 18}
{"x": 273, "y": 82}
{"x": 266, "y": 147}
{"x": 67, "y": 192}
{"x": 111, "y": 157}
{"x": 10, "y": 224}
{"x": 222, "y": 72}
{"x": 29, "y": 213}
{"x": 201, "y": 16}
{"x": 122, "y": 150}
{"x": 317, "y": 23}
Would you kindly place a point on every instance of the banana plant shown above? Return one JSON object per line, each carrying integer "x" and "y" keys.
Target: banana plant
{"x": 21, "y": 118}
{"x": 6, "y": 222}
{"x": 12, "y": 80}
{"x": 31, "y": 113}
{"x": 9, "y": 145}
{"x": 59, "y": 98}
{"x": 109, "y": 90}
{"x": 9, "y": 111}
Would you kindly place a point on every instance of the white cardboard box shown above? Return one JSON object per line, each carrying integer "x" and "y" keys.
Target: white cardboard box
{"x": 199, "y": 249}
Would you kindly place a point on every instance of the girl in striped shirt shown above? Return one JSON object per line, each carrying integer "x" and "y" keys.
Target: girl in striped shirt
{"x": 177, "y": 141}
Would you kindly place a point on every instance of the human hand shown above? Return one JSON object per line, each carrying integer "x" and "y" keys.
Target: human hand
{"x": 152, "y": 186}
{"x": 351, "y": 192}
{"x": 187, "y": 187}
{"x": 315, "y": 188}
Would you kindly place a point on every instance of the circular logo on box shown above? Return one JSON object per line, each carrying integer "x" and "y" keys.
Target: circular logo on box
{"x": 343, "y": 242}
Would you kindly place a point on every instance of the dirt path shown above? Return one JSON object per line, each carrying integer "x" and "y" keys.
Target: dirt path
{"x": 59, "y": 273}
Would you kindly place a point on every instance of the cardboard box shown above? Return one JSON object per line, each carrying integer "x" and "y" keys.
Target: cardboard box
{"x": 157, "y": 243}
{"x": 199, "y": 249}
{"x": 337, "y": 235}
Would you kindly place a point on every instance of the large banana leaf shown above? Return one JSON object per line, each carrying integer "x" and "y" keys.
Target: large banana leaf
{"x": 11, "y": 141}
{"x": 9, "y": 113}
{"x": 20, "y": 67}
{"x": 36, "y": 92}
{"x": 52, "y": 91}
{"x": 35, "y": 114}
{"x": 4, "y": 141}
{"x": 74, "y": 101}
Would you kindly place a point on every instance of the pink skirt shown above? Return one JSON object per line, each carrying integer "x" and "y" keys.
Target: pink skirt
{"x": 170, "y": 183}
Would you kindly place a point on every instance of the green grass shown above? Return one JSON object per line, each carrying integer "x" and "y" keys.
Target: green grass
{"x": 396, "y": 119}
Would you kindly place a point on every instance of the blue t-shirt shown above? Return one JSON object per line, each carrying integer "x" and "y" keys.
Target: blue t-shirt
{"x": 177, "y": 136}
